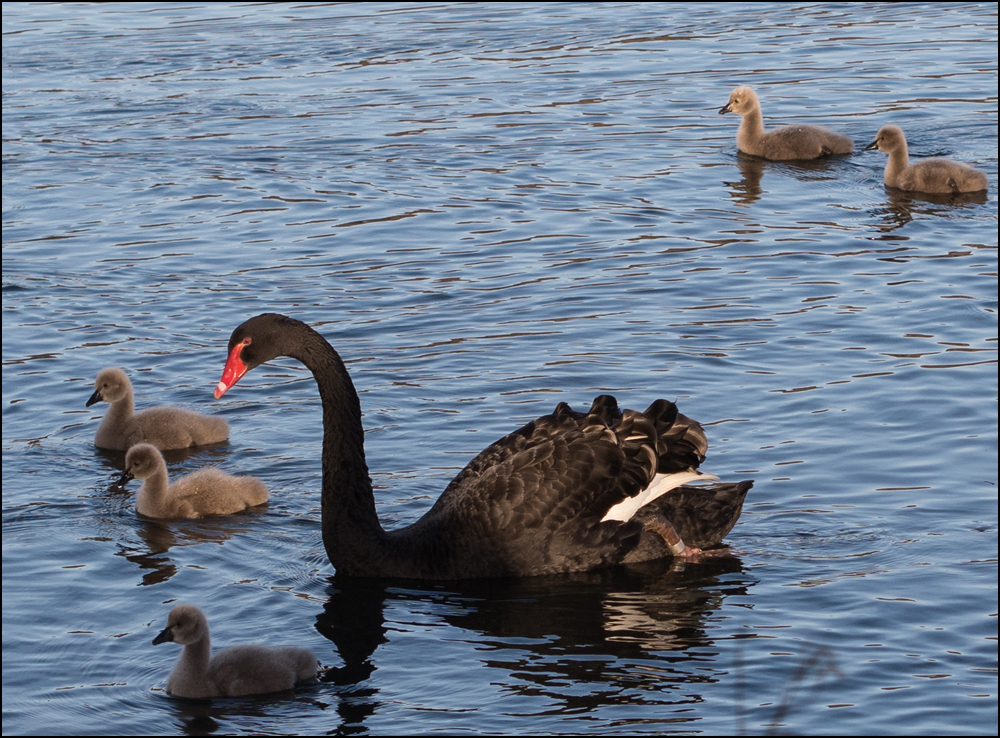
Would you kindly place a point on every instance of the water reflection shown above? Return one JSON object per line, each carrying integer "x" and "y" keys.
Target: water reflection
{"x": 158, "y": 537}
{"x": 748, "y": 191}
{"x": 608, "y": 629}
{"x": 205, "y": 717}
{"x": 115, "y": 460}
{"x": 902, "y": 206}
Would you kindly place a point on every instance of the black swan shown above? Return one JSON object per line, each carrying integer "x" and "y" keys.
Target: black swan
{"x": 567, "y": 492}
{"x": 940, "y": 176}
{"x": 164, "y": 427}
{"x": 790, "y": 142}
{"x": 202, "y": 492}
{"x": 235, "y": 671}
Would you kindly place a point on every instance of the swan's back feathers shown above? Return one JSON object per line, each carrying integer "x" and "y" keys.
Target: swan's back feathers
{"x": 941, "y": 176}
{"x": 803, "y": 142}
{"x": 174, "y": 427}
{"x": 254, "y": 669}
{"x": 680, "y": 442}
{"x": 533, "y": 502}
{"x": 211, "y": 491}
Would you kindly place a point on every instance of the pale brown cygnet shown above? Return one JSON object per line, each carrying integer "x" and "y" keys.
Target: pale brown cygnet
{"x": 790, "y": 142}
{"x": 200, "y": 493}
{"x": 235, "y": 671}
{"x": 164, "y": 427}
{"x": 927, "y": 175}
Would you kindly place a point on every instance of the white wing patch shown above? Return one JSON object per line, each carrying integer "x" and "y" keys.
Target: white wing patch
{"x": 661, "y": 484}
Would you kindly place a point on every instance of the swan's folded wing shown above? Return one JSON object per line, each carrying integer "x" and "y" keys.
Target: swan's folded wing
{"x": 175, "y": 427}
{"x": 539, "y": 509}
{"x": 535, "y": 501}
{"x": 536, "y": 433}
{"x": 680, "y": 442}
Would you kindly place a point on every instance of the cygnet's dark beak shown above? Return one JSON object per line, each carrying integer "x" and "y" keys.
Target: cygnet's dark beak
{"x": 872, "y": 145}
{"x": 126, "y": 477}
{"x": 96, "y": 397}
{"x": 725, "y": 109}
{"x": 165, "y": 636}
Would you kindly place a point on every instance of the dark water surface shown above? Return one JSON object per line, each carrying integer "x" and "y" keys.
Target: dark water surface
{"x": 489, "y": 209}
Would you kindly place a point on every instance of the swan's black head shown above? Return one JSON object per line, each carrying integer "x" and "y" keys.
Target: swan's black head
{"x": 257, "y": 340}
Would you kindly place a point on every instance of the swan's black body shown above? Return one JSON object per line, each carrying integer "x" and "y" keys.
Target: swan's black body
{"x": 532, "y": 503}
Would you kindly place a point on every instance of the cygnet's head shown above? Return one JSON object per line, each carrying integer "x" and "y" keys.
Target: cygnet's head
{"x": 141, "y": 462}
{"x": 185, "y": 624}
{"x": 742, "y": 100}
{"x": 889, "y": 139}
{"x": 111, "y": 385}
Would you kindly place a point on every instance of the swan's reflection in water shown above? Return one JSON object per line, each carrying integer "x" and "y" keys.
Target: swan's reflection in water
{"x": 578, "y": 641}
{"x": 213, "y": 455}
{"x": 747, "y": 190}
{"x": 159, "y": 536}
{"x": 902, "y": 207}
{"x": 205, "y": 717}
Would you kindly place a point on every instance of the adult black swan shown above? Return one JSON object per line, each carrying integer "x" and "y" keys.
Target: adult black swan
{"x": 567, "y": 492}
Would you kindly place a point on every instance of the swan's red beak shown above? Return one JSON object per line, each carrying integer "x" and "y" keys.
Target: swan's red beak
{"x": 235, "y": 368}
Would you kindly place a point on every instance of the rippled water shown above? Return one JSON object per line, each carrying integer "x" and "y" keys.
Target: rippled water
{"x": 489, "y": 209}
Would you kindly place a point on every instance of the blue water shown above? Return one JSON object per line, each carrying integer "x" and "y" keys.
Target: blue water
{"x": 488, "y": 209}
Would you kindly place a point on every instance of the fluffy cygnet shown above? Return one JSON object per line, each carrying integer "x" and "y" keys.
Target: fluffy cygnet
{"x": 790, "y": 142}
{"x": 927, "y": 175}
{"x": 164, "y": 427}
{"x": 235, "y": 671}
{"x": 203, "y": 492}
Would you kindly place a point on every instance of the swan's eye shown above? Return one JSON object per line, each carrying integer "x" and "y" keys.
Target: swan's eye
{"x": 247, "y": 341}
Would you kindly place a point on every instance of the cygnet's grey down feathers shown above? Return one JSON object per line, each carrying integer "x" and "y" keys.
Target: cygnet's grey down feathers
{"x": 941, "y": 176}
{"x": 164, "y": 427}
{"x": 790, "y": 142}
{"x": 203, "y": 492}
{"x": 233, "y": 672}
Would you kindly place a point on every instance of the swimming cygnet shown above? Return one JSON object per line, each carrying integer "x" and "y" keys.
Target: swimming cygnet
{"x": 203, "y": 492}
{"x": 164, "y": 427}
{"x": 235, "y": 671}
{"x": 790, "y": 142}
{"x": 927, "y": 175}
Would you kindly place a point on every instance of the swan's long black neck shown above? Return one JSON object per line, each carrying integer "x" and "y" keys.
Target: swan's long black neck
{"x": 432, "y": 547}
{"x": 352, "y": 535}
